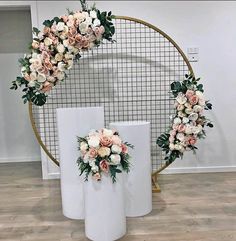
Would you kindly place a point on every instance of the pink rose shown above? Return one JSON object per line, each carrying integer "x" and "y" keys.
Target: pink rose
{"x": 46, "y": 30}
{"x": 106, "y": 141}
{"x": 97, "y": 176}
{"x": 191, "y": 140}
{"x": 43, "y": 70}
{"x": 27, "y": 77}
{"x": 104, "y": 165}
{"x": 171, "y": 139}
{"x": 47, "y": 86}
{"x": 78, "y": 37}
{"x": 45, "y": 55}
{"x": 116, "y": 140}
{"x": 72, "y": 32}
{"x": 181, "y": 128}
{"x": 175, "y": 127}
{"x": 35, "y": 44}
{"x": 124, "y": 148}
{"x": 48, "y": 64}
{"x": 193, "y": 100}
{"x": 64, "y": 18}
{"x": 189, "y": 93}
{"x": 92, "y": 152}
{"x": 71, "y": 41}
{"x": 84, "y": 42}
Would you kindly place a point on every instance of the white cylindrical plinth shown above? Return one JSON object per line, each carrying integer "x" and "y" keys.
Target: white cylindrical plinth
{"x": 104, "y": 208}
{"x": 138, "y": 186}
{"x": 73, "y": 122}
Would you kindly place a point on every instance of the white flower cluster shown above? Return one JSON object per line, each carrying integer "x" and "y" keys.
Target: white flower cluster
{"x": 188, "y": 122}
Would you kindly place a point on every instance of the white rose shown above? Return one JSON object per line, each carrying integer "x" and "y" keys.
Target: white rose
{"x": 181, "y": 114}
{"x": 66, "y": 42}
{"x": 199, "y": 94}
{"x": 60, "y": 48}
{"x": 31, "y": 83}
{"x": 83, "y": 146}
{"x": 201, "y": 102}
{"x": 197, "y": 108}
{"x": 93, "y": 14}
{"x": 88, "y": 20}
{"x": 68, "y": 56}
{"x": 180, "y": 136}
{"x": 94, "y": 141}
{"x": 185, "y": 120}
{"x": 96, "y": 22}
{"x": 60, "y": 26}
{"x": 188, "y": 129}
{"x": 193, "y": 117}
{"x": 58, "y": 57}
{"x": 116, "y": 149}
{"x": 47, "y": 41}
{"x": 177, "y": 120}
{"x": 179, "y": 147}
{"x": 83, "y": 28}
{"x": 181, "y": 98}
{"x": 61, "y": 66}
{"x": 85, "y": 14}
{"x": 107, "y": 132}
{"x": 115, "y": 159}
{"x": 172, "y": 146}
{"x": 188, "y": 111}
{"x": 94, "y": 168}
{"x": 187, "y": 105}
{"x": 197, "y": 129}
{"x": 60, "y": 75}
{"x": 41, "y": 78}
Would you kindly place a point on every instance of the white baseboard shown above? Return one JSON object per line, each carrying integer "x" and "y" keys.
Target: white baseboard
{"x": 52, "y": 176}
{"x": 20, "y": 159}
{"x": 178, "y": 170}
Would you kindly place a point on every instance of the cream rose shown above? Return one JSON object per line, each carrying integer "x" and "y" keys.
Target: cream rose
{"x": 60, "y": 48}
{"x": 47, "y": 41}
{"x": 177, "y": 120}
{"x": 94, "y": 141}
{"x": 181, "y": 98}
{"x": 60, "y": 26}
{"x": 61, "y": 66}
{"x": 59, "y": 57}
{"x": 185, "y": 120}
{"x": 193, "y": 116}
{"x": 116, "y": 149}
{"x": 104, "y": 151}
{"x": 107, "y": 132}
{"x": 83, "y": 146}
{"x": 180, "y": 137}
{"x": 115, "y": 159}
{"x": 83, "y": 27}
{"x": 93, "y": 14}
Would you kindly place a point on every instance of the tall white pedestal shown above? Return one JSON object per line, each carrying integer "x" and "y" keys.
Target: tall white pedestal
{"x": 73, "y": 122}
{"x": 138, "y": 186}
{"x": 104, "y": 208}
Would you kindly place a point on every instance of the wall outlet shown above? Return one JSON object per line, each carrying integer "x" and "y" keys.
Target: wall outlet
{"x": 193, "y": 54}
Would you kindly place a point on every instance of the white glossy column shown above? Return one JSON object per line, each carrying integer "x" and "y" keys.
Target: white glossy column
{"x": 138, "y": 185}
{"x": 105, "y": 218}
{"x": 73, "y": 122}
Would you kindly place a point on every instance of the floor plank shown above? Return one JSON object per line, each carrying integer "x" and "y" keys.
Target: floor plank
{"x": 191, "y": 207}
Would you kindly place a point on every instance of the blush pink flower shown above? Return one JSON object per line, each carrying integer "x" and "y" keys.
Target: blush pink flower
{"x": 124, "y": 148}
{"x": 64, "y": 18}
{"x": 193, "y": 100}
{"x": 189, "y": 93}
{"x": 192, "y": 140}
{"x": 92, "y": 152}
{"x": 106, "y": 141}
{"x": 46, "y": 30}
{"x": 116, "y": 140}
{"x": 104, "y": 165}
{"x": 181, "y": 128}
{"x": 47, "y": 86}
{"x": 97, "y": 176}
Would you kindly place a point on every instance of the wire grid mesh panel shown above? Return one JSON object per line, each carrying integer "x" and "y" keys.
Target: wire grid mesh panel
{"x": 130, "y": 78}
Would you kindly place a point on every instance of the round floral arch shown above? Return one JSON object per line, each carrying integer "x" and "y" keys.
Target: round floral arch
{"x": 54, "y": 50}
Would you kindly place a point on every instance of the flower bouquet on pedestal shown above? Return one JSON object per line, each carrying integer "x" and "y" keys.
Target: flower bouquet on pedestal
{"x": 103, "y": 151}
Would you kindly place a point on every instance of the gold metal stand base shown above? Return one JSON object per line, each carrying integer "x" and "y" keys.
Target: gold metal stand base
{"x": 155, "y": 186}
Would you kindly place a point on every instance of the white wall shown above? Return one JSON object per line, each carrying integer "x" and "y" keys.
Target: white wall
{"x": 209, "y": 26}
{"x": 17, "y": 142}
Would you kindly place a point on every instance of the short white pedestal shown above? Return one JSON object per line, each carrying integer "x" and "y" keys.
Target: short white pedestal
{"x": 73, "y": 122}
{"x": 104, "y": 209}
{"x": 138, "y": 186}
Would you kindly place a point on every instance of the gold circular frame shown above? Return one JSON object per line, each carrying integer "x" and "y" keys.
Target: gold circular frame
{"x": 122, "y": 18}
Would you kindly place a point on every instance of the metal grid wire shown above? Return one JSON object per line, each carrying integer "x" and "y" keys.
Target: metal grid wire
{"x": 129, "y": 78}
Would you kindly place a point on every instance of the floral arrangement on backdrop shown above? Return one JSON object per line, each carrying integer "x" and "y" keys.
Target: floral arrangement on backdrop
{"x": 55, "y": 48}
{"x": 188, "y": 123}
{"x": 103, "y": 152}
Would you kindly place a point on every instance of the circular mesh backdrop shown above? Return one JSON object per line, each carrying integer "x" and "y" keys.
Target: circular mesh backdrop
{"x": 130, "y": 78}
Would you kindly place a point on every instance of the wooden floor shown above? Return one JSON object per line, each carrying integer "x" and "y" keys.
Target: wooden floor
{"x": 191, "y": 207}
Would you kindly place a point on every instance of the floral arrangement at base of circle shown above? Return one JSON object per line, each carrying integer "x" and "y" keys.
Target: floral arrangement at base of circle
{"x": 57, "y": 46}
{"x": 188, "y": 124}
{"x": 103, "y": 152}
